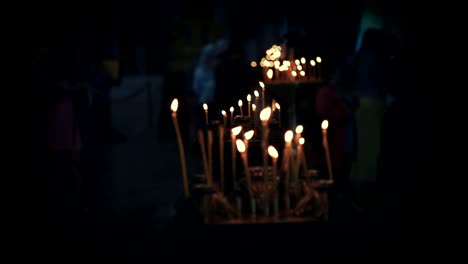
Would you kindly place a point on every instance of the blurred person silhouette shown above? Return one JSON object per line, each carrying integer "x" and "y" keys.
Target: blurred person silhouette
{"x": 369, "y": 77}
{"x": 338, "y": 109}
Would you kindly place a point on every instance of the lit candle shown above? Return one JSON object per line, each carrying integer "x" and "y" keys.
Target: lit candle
{"x": 205, "y": 107}
{"x": 231, "y": 109}
{"x": 274, "y": 158}
{"x": 277, "y": 65}
{"x": 254, "y": 110}
{"x": 241, "y": 148}
{"x": 303, "y": 157}
{"x": 210, "y": 157}
{"x": 234, "y": 132}
{"x": 248, "y": 136}
{"x": 224, "y": 118}
{"x": 174, "y": 106}
{"x": 270, "y": 74}
{"x": 299, "y": 130}
{"x": 265, "y": 115}
{"x": 206, "y": 166}
{"x": 256, "y": 94}
{"x": 249, "y": 98}
{"x": 325, "y": 147}
{"x": 263, "y": 94}
{"x": 239, "y": 103}
{"x": 277, "y": 106}
{"x": 312, "y": 69}
{"x": 319, "y": 72}
{"x": 303, "y": 61}
{"x": 288, "y": 137}
{"x": 221, "y": 156}
{"x": 294, "y": 74}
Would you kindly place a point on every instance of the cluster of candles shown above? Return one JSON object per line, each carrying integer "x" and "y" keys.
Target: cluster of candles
{"x": 293, "y": 154}
{"x": 275, "y": 69}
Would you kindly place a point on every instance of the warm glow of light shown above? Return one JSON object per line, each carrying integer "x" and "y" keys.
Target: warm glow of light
{"x": 174, "y": 105}
{"x": 277, "y": 106}
{"x": 303, "y": 60}
{"x": 302, "y": 73}
{"x": 254, "y": 107}
{"x": 205, "y": 107}
{"x": 223, "y": 112}
{"x": 236, "y": 130}
{"x": 277, "y": 64}
{"x": 256, "y": 93}
{"x": 249, "y": 134}
{"x": 231, "y": 109}
{"x": 261, "y": 85}
{"x": 299, "y": 129}
{"x": 265, "y": 114}
{"x": 249, "y": 98}
{"x": 240, "y": 146}
{"x": 239, "y": 103}
{"x": 318, "y": 59}
{"x": 287, "y": 63}
{"x": 301, "y": 141}
{"x": 325, "y": 124}
{"x": 297, "y": 62}
{"x": 272, "y": 152}
{"x": 312, "y": 62}
{"x": 270, "y": 73}
{"x": 288, "y": 136}
{"x": 294, "y": 73}
{"x": 253, "y": 64}
{"x": 299, "y": 67}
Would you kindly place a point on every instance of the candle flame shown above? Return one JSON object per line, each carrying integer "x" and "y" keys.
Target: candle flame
{"x": 269, "y": 74}
{"x": 223, "y": 112}
{"x": 236, "y": 130}
{"x": 294, "y": 73}
{"x": 254, "y": 107}
{"x": 277, "y": 64}
{"x": 299, "y": 129}
{"x": 303, "y": 60}
{"x": 288, "y": 136}
{"x": 297, "y": 62}
{"x": 272, "y": 152}
{"x": 205, "y": 106}
{"x": 231, "y": 109}
{"x": 325, "y": 124}
{"x": 174, "y": 105}
{"x": 302, "y": 73}
{"x": 299, "y": 67}
{"x": 249, "y": 134}
{"x": 239, "y": 103}
{"x": 261, "y": 84}
{"x": 318, "y": 59}
{"x": 240, "y": 146}
{"x": 249, "y": 97}
{"x": 277, "y": 106}
{"x": 312, "y": 62}
{"x": 253, "y": 64}
{"x": 256, "y": 93}
{"x": 265, "y": 114}
{"x": 301, "y": 141}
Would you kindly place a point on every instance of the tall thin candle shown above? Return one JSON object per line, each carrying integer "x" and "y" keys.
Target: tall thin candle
{"x": 241, "y": 148}
{"x": 239, "y": 103}
{"x": 221, "y": 157}
{"x": 224, "y": 118}
{"x": 249, "y": 98}
{"x": 262, "y": 85}
{"x": 205, "y": 107}
{"x": 288, "y": 137}
{"x": 274, "y": 158}
{"x": 326, "y": 148}
{"x": 265, "y": 115}
{"x": 231, "y": 109}
{"x": 234, "y": 132}
{"x": 174, "y": 106}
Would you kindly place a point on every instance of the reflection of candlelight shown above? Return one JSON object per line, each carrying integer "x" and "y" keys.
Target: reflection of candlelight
{"x": 263, "y": 94}
{"x": 224, "y": 118}
{"x": 249, "y": 98}
{"x": 242, "y": 149}
{"x": 234, "y": 132}
{"x": 221, "y": 156}
{"x": 174, "y": 106}
{"x": 231, "y": 109}
{"x": 239, "y": 103}
{"x": 274, "y": 158}
{"x": 205, "y": 107}
{"x": 265, "y": 115}
{"x": 277, "y": 106}
{"x": 325, "y": 146}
